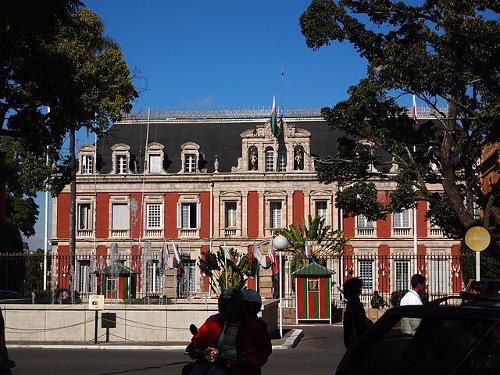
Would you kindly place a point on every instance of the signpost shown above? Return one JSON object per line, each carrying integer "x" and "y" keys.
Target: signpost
{"x": 477, "y": 239}
{"x": 96, "y": 302}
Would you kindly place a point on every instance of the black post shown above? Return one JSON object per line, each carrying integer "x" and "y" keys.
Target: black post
{"x": 95, "y": 326}
{"x": 107, "y": 334}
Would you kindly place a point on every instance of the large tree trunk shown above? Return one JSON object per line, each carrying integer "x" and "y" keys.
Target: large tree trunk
{"x": 72, "y": 216}
{"x": 448, "y": 173}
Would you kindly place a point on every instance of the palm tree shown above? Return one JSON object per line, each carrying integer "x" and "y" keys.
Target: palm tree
{"x": 321, "y": 238}
{"x": 217, "y": 267}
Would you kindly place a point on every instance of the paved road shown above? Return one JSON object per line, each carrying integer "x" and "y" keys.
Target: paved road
{"x": 318, "y": 353}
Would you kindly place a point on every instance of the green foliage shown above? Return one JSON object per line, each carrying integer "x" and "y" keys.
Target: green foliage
{"x": 53, "y": 54}
{"x": 320, "y": 236}
{"x": 445, "y": 53}
{"x": 214, "y": 266}
{"x": 33, "y": 280}
{"x": 361, "y": 199}
{"x": 11, "y": 238}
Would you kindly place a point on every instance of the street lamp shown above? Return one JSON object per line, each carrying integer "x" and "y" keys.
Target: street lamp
{"x": 280, "y": 243}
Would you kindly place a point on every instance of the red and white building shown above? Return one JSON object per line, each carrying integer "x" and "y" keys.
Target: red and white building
{"x": 207, "y": 180}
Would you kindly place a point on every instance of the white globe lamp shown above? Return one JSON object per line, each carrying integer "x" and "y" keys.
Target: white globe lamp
{"x": 280, "y": 242}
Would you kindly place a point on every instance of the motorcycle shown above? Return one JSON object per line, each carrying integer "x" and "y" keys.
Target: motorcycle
{"x": 209, "y": 361}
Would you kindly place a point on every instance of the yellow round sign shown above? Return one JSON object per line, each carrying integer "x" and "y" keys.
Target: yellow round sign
{"x": 477, "y": 238}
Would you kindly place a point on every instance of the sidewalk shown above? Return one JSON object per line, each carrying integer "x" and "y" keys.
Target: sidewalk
{"x": 289, "y": 340}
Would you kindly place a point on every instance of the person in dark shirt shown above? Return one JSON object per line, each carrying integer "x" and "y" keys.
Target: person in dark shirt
{"x": 5, "y": 363}
{"x": 355, "y": 321}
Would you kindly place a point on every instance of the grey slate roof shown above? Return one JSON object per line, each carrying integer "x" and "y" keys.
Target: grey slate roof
{"x": 214, "y": 138}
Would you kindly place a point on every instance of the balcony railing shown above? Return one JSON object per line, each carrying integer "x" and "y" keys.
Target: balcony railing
{"x": 436, "y": 232}
{"x": 230, "y": 232}
{"x": 365, "y": 232}
{"x": 189, "y": 233}
{"x": 119, "y": 233}
{"x": 85, "y": 233}
{"x": 154, "y": 233}
{"x": 402, "y": 231}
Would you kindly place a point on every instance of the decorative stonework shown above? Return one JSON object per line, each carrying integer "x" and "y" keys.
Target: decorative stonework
{"x": 293, "y": 142}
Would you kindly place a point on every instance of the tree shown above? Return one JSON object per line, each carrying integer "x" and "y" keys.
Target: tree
{"x": 445, "y": 53}
{"x": 53, "y": 54}
{"x": 321, "y": 237}
{"x": 219, "y": 269}
{"x": 27, "y": 78}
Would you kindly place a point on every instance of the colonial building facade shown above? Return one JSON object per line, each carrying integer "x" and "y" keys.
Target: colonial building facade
{"x": 204, "y": 181}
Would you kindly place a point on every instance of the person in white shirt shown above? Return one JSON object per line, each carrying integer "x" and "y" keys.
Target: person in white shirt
{"x": 410, "y": 325}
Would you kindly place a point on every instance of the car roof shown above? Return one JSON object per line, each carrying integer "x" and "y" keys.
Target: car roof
{"x": 463, "y": 311}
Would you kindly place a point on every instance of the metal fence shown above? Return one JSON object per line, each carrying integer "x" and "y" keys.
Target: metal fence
{"x": 387, "y": 277}
{"x": 143, "y": 278}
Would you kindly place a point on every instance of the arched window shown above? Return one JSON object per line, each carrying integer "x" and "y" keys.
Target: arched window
{"x": 269, "y": 159}
{"x": 282, "y": 161}
{"x": 298, "y": 158}
{"x": 253, "y": 159}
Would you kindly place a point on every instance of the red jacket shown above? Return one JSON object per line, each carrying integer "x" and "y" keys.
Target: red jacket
{"x": 253, "y": 343}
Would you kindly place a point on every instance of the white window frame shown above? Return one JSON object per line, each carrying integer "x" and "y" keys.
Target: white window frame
{"x": 439, "y": 275}
{"x": 282, "y": 161}
{"x": 230, "y": 214}
{"x": 154, "y": 215}
{"x": 366, "y": 272}
{"x": 87, "y": 164}
{"x": 154, "y": 164}
{"x": 121, "y": 231}
{"x": 84, "y": 283}
{"x": 401, "y": 282}
{"x": 120, "y": 152}
{"x": 121, "y": 164}
{"x": 269, "y": 159}
{"x": 189, "y": 163}
{"x": 184, "y": 216}
{"x": 89, "y": 216}
{"x": 275, "y": 214}
{"x": 190, "y": 148}
{"x": 317, "y": 210}
{"x": 153, "y": 277}
{"x": 401, "y": 216}
{"x": 155, "y": 150}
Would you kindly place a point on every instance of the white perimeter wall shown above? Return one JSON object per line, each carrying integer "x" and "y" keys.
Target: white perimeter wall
{"x": 141, "y": 323}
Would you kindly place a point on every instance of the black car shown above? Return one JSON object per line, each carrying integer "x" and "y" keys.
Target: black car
{"x": 456, "y": 340}
{"x": 484, "y": 288}
{"x": 10, "y": 296}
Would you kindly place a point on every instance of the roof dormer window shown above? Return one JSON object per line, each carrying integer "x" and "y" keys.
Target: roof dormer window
{"x": 121, "y": 157}
{"x": 154, "y": 158}
{"x": 190, "y": 157}
{"x": 87, "y": 160}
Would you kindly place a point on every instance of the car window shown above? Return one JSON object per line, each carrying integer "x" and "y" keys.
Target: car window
{"x": 437, "y": 347}
{"x": 491, "y": 365}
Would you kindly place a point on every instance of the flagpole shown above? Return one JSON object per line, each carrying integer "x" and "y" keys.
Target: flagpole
{"x": 225, "y": 263}
{"x": 46, "y": 238}
{"x": 282, "y": 91}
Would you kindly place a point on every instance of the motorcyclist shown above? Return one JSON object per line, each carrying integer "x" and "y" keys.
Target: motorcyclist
{"x": 237, "y": 338}
{"x": 253, "y": 304}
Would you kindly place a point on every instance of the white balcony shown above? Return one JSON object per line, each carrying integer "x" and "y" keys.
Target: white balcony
{"x": 230, "y": 232}
{"x": 189, "y": 233}
{"x": 365, "y": 232}
{"x": 85, "y": 233}
{"x": 436, "y": 232}
{"x": 402, "y": 232}
{"x": 153, "y": 233}
{"x": 119, "y": 233}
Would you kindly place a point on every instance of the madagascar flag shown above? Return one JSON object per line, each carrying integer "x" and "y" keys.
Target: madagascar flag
{"x": 177, "y": 259}
{"x": 274, "y": 119}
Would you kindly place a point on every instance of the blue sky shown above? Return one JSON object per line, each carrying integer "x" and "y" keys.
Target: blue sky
{"x": 205, "y": 55}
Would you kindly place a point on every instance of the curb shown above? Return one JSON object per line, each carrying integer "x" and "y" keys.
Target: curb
{"x": 290, "y": 342}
